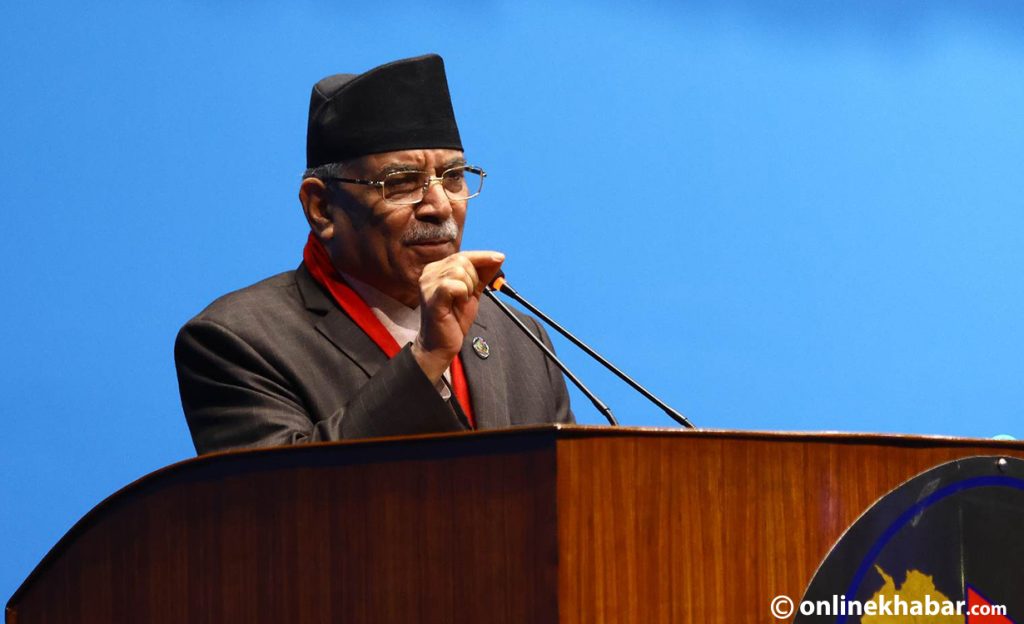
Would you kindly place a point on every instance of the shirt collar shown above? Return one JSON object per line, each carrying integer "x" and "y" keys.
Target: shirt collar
{"x": 395, "y": 311}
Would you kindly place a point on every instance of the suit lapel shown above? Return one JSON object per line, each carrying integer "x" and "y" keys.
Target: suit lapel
{"x": 486, "y": 376}
{"x": 343, "y": 333}
{"x": 337, "y": 327}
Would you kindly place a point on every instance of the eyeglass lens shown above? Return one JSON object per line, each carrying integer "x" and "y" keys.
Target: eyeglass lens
{"x": 408, "y": 186}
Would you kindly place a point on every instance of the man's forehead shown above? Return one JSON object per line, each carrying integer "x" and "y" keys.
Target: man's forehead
{"x": 423, "y": 159}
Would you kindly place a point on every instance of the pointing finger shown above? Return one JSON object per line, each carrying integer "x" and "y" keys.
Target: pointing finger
{"x": 487, "y": 264}
{"x": 483, "y": 258}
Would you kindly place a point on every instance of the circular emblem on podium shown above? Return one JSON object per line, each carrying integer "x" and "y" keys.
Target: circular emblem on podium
{"x": 953, "y": 534}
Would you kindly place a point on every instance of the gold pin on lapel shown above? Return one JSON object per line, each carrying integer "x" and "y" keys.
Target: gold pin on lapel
{"x": 481, "y": 348}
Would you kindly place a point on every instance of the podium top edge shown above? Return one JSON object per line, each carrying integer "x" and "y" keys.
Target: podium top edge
{"x": 561, "y": 431}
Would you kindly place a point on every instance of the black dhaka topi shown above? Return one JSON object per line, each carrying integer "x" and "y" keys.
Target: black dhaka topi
{"x": 398, "y": 106}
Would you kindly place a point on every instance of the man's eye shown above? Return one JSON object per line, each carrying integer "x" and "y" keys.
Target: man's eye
{"x": 403, "y": 182}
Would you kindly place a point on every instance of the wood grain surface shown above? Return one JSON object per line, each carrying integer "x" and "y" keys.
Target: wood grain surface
{"x": 551, "y": 524}
{"x": 710, "y": 526}
{"x": 407, "y": 531}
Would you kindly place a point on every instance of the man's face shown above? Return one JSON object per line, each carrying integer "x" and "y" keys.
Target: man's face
{"x": 387, "y": 245}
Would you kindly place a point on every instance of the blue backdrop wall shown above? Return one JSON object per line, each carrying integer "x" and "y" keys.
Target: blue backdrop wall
{"x": 778, "y": 215}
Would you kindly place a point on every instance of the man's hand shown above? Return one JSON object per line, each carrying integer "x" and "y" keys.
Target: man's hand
{"x": 450, "y": 292}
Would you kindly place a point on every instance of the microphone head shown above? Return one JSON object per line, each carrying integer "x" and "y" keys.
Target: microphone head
{"x": 498, "y": 281}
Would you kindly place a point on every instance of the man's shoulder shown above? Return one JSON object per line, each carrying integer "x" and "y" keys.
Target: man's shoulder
{"x": 492, "y": 316}
{"x": 268, "y": 301}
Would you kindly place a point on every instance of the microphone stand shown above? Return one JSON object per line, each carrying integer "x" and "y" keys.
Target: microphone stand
{"x": 598, "y": 403}
{"x": 504, "y": 287}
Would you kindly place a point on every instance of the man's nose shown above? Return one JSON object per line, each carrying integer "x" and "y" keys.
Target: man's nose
{"x": 435, "y": 203}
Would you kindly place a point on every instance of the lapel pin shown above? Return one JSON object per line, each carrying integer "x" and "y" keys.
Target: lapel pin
{"x": 481, "y": 348}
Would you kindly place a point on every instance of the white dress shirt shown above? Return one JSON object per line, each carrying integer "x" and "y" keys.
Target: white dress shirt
{"x": 401, "y": 321}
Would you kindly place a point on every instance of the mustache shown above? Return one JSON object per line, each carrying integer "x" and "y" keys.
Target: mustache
{"x": 423, "y": 231}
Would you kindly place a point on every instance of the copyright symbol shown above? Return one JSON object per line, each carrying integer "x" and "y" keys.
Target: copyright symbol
{"x": 782, "y": 607}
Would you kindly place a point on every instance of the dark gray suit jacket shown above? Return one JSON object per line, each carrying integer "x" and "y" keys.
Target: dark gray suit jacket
{"x": 279, "y": 363}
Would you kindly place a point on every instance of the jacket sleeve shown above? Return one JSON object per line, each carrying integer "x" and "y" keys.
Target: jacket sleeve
{"x": 233, "y": 396}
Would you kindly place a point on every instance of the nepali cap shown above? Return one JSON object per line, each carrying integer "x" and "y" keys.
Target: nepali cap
{"x": 398, "y": 106}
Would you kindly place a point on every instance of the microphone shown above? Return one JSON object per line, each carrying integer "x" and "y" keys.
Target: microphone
{"x": 598, "y": 403}
{"x": 499, "y": 283}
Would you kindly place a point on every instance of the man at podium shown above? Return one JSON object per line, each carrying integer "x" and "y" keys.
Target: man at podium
{"x": 382, "y": 329}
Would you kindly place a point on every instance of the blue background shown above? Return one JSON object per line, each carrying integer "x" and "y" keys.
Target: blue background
{"x": 778, "y": 215}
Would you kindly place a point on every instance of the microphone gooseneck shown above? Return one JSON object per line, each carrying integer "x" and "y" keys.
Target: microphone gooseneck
{"x": 499, "y": 283}
{"x": 598, "y": 403}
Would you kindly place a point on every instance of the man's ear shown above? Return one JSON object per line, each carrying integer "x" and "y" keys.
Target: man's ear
{"x": 315, "y": 198}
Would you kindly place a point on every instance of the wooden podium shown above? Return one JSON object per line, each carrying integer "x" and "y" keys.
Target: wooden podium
{"x": 540, "y": 524}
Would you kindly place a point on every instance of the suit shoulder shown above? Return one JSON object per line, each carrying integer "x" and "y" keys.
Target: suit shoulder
{"x": 273, "y": 299}
{"x": 492, "y": 316}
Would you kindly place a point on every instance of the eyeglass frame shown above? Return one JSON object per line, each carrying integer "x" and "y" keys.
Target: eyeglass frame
{"x": 430, "y": 180}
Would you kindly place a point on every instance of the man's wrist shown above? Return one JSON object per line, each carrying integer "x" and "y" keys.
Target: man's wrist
{"x": 432, "y": 364}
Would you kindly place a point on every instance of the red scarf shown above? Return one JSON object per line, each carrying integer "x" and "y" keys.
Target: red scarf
{"x": 320, "y": 267}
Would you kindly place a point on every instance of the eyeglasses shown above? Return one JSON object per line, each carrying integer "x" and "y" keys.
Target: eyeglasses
{"x": 409, "y": 187}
